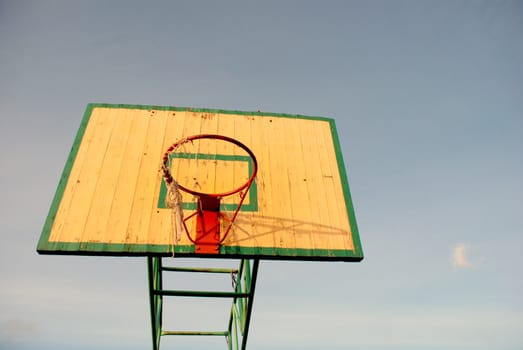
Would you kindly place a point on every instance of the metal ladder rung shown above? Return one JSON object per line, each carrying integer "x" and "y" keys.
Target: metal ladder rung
{"x": 217, "y": 333}
{"x": 200, "y": 294}
{"x": 198, "y": 269}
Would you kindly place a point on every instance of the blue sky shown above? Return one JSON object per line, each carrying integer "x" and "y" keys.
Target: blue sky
{"x": 428, "y": 102}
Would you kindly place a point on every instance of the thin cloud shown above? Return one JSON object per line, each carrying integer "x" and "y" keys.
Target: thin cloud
{"x": 460, "y": 257}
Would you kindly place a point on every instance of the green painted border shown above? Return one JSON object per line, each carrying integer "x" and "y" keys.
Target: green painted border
{"x": 253, "y": 190}
{"x": 46, "y": 247}
{"x": 188, "y": 251}
{"x": 358, "y": 250}
{"x": 43, "y": 243}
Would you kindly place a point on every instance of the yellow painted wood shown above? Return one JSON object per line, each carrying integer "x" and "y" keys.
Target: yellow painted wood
{"x": 122, "y": 201}
{"x": 113, "y": 190}
{"x": 144, "y": 214}
{"x": 74, "y": 209}
{"x": 278, "y": 226}
{"x": 297, "y": 162}
{"x": 112, "y": 152}
{"x": 226, "y": 127}
{"x": 310, "y": 136}
{"x": 240, "y": 129}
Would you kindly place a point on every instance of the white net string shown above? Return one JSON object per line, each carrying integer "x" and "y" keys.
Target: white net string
{"x": 173, "y": 198}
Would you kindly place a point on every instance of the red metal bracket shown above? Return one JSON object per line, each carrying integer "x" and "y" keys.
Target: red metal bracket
{"x": 208, "y": 225}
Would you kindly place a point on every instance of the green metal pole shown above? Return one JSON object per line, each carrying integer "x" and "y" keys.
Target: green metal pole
{"x": 153, "y": 302}
{"x": 235, "y": 328}
{"x": 250, "y": 301}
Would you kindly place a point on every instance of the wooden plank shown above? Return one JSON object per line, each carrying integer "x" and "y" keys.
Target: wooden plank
{"x": 194, "y": 179}
{"x": 176, "y": 131}
{"x": 74, "y": 209}
{"x": 95, "y": 228}
{"x": 331, "y": 223}
{"x": 299, "y": 191}
{"x": 122, "y": 202}
{"x": 225, "y": 181}
{"x": 280, "y": 210}
{"x": 57, "y": 231}
{"x": 161, "y": 228}
{"x": 166, "y": 223}
{"x": 182, "y": 128}
{"x": 207, "y": 147}
{"x": 144, "y": 205}
{"x": 241, "y": 129}
{"x": 316, "y": 194}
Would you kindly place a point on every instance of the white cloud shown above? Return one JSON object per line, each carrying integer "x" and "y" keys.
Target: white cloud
{"x": 460, "y": 258}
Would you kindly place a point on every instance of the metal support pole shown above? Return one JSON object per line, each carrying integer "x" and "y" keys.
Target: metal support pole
{"x": 155, "y": 282}
{"x": 250, "y": 301}
{"x": 241, "y": 309}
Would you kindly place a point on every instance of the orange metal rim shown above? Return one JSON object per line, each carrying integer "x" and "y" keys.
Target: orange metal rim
{"x": 168, "y": 177}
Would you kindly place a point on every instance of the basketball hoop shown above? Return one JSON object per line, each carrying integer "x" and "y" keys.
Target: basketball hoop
{"x": 208, "y": 213}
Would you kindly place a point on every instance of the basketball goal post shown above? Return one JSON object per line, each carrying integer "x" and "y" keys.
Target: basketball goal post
{"x": 164, "y": 182}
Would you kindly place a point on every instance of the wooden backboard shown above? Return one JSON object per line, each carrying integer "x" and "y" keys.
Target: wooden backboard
{"x": 110, "y": 198}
